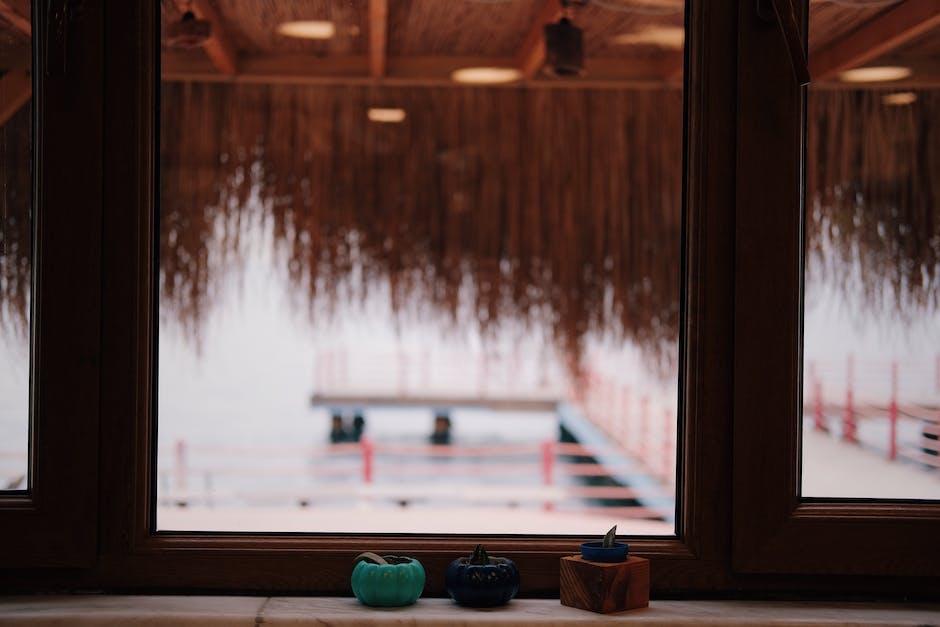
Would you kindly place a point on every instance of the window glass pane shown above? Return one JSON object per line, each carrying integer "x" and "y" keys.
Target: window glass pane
{"x": 395, "y": 301}
{"x": 872, "y": 326}
{"x": 16, "y": 143}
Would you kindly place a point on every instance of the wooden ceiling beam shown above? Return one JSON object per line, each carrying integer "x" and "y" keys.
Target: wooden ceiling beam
{"x": 378, "y": 37}
{"x": 879, "y": 36}
{"x": 17, "y": 14}
{"x": 218, "y": 47}
{"x": 531, "y": 56}
{"x": 301, "y": 69}
{"x": 16, "y": 88}
{"x": 674, "y": 67}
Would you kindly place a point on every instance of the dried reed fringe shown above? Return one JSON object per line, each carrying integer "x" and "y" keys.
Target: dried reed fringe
{"x": 497, "y": 190}
{"x": 522, "y": 205}
{"x": 15, "y": 241}
{"x": 875, "y": 194}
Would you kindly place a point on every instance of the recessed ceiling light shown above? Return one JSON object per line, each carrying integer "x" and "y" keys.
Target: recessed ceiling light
{"x": 308, "y": 29}
{"x": 486, "y": 75}
{"x": 875, "y": 74}
{"x": 662, "y": 36}
{"x": 377, "y": 114}
{"x": 899, "y": 98}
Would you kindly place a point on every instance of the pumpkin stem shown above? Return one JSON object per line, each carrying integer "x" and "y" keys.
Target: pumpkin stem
{"x": 369, "y": 556}
{"x": 610, "y": 538}
{"x": 479, "y": 556}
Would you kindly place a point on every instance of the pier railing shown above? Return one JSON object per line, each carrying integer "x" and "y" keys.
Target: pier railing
{"x": 854, "y": 404}
{"x": 548, "y": 475}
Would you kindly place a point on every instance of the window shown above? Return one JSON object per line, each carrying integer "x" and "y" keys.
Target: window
{"x": 441, "y": 307}
{"x": 739, "y": 519}
{"x": 776, "y": 530}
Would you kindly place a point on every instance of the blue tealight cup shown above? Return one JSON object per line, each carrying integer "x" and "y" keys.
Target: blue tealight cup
{"x": 597, "y": 552}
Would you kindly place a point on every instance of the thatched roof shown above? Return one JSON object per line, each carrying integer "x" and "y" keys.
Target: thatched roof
{"x": 874, "y": 200}
{"x": 551, "y": 201}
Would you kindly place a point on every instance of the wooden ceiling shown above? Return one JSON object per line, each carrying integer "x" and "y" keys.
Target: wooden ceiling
{"x": 423, "y": 41}
{"x": 420, "y": 42}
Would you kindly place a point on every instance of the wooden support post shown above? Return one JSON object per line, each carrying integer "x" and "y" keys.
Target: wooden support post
{"x": 819, "y": 416}
{"x": 848, "y": 422}
{"x": 548, "y": 462}
{"x": 378, "y": 37}
{"x": 624, "y": 416}
{"x": 643, "y": 439}
{"x": 402, "y": 372}
{"x": 819, "y": 420}
{"x": 181, "y": 465}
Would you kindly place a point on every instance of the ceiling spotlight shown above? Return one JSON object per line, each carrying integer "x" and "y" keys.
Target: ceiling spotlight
{"x": 875, "y": 74}
{"x": 377, "y": 114}
{"x": 189, "y": 32}
{"x": 564, "y": 44}
{"x": 485, "y": 75}
{"x": 308, "y": 29}
{"x": 661, "y": 36}
{"x": 899, "y": 98}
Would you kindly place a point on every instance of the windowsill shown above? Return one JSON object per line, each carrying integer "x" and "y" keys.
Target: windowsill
{"x": 251, "y": 611}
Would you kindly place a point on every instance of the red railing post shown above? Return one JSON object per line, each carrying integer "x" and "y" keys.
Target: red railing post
{"x": 402, "y": 373}
{"x": 642, "y": 448}
{"x": 181, "y": 465}
{"x": 893, "y": 413}
{"x": 849, "y": 431}
{"x": 368, "y": 452}
{"x": 548, "y": 461}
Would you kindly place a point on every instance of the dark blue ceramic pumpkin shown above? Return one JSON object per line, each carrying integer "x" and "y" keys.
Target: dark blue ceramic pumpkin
{"x": 482, "y": 581}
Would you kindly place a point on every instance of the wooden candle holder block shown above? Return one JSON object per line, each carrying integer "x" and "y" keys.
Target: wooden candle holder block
{"x": 605, "y": 587}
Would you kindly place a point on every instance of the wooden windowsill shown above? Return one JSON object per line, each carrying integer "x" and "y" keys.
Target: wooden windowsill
{"x": 251, "y": 611}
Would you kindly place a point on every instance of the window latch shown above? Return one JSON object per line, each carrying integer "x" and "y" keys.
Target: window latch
{"x": 781, "y": 12}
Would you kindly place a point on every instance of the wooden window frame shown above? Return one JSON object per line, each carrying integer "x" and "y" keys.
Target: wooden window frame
{"x": 775, "y": 531}
{"x": 54, "y": 522}
{"x": 738, "y": 509}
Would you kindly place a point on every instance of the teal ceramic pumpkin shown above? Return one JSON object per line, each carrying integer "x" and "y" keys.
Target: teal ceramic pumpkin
{"x": 398, "y": 582}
